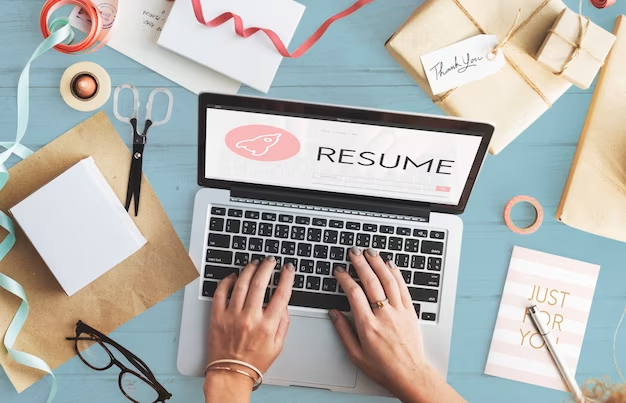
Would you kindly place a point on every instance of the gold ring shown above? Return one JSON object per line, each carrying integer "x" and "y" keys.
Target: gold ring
{"x": 379, "y": 304}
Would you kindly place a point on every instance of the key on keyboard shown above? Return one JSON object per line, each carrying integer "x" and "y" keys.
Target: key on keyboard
{"x": 316, "y": 246}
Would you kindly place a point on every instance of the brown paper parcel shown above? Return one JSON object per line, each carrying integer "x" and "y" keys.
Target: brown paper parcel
{"x": 594, "y": 199}
{"x": 511, "y": 99}
{"x": 156, "y": 271}
{"x": 575, "y": 48}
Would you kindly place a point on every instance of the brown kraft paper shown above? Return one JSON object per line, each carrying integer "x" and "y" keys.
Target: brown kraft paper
{"x": 594, "y": 198}
{"x": 156, "y": 271}
{"x": 505, "y": 99}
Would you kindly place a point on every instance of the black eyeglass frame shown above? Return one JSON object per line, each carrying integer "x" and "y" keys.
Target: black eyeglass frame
{"x": 146, "y": 375}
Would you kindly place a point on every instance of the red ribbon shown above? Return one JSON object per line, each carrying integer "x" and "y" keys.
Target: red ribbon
{"x": 602, "y": 3}
{"x": 280, "y": 46}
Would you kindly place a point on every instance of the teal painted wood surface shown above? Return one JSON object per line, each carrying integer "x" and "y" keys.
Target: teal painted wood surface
{"x": 349, "y": 66}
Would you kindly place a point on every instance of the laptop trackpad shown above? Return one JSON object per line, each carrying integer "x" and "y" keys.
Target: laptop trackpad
{"x": 313, "y": 354}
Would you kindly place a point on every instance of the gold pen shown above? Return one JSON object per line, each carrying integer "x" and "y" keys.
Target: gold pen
{"x": 565, "y": 372}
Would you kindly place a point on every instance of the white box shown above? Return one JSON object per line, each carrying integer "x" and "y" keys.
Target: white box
{"x": 253, "y": 61}
{"x": 78, "y": 226}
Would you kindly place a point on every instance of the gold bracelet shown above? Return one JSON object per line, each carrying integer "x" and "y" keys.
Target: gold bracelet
{"x": 258, "y": 381}
{"x": 255, "y": 383}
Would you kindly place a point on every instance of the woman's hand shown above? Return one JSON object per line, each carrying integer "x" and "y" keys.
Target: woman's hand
{"x": 241, "y": 329}
{"x": 387, "y": 344}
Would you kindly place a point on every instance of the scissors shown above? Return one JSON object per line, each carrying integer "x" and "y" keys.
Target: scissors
{"x": 139, "y": 139}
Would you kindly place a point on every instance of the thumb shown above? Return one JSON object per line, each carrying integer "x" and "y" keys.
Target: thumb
{"x": 283, "y": 327}
{"x": 347, "y": 336}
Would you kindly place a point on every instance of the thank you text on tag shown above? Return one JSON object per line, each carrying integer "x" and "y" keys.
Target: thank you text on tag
{"x": 462, "y": 63}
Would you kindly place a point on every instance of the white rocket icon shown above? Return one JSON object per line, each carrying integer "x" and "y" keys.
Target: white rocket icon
{"x": 259, "y": 145}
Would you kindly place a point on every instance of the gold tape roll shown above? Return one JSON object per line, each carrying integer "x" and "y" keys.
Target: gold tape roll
{"x": 85, "y": 86}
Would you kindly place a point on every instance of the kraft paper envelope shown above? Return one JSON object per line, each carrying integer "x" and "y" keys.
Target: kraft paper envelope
{"x": 159, "y": 269}
{"x": 594, "y": 198}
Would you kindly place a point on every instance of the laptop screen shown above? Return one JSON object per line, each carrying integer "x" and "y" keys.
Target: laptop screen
{"x": 334, "y": 155}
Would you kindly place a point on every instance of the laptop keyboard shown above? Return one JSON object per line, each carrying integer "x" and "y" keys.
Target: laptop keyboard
{"x": 316, "y": 245}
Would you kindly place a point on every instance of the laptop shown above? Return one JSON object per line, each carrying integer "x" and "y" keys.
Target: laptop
{"x": 305, "y": 183}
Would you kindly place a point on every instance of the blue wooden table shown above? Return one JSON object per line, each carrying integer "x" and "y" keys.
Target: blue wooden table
{"x": 349, "y": 66}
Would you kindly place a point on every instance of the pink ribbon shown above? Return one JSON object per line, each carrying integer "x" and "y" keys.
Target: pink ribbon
{"x": 602, "y": 3}
{"x": 280, "y": 46}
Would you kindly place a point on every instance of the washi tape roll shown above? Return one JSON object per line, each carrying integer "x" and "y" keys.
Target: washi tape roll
{"x": 85, "y": 86}
{"x": 538, "y": 218}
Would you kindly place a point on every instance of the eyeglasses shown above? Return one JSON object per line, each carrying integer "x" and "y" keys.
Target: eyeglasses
{"x": 138, "y": 386}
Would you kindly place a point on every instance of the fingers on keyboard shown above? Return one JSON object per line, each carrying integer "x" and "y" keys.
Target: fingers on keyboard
{"x": 382, "y": 272}
{"x": 282, "y": 294}
{"x": 358, "y": 301}
{"x": 369, "y": 277}
{"x": 317, "y": 246}
{"x": 259, "y": 283}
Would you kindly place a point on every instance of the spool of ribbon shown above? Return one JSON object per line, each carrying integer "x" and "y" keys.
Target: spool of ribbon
{"x": 602, "y": 3}
{"x": 57, "y": 34}
{"x": 278, "y": 44}
{"x": 96, "y": 37}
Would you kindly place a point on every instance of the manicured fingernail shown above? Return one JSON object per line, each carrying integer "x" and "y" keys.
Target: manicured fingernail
{"x": 333, "y": 316}
{"x": 355, "y": 251}
{"x": 290, "y": 267}
{"x": 255, "y": 262}
{"x": 391, "y": 264}
{"x": 340, "y": 269}
{"x": 371, "y": 252}
{"x": 271, "y": 258}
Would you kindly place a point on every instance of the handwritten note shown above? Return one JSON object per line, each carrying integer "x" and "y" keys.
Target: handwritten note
{"x": 153, "y": 18}
{"x": 563, "y": 290}
{"x": 462, "y": 63}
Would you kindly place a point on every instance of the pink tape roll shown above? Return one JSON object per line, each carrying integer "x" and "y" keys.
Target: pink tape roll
{"x": 602, "y": 3}
{"x": 538, "y": 219}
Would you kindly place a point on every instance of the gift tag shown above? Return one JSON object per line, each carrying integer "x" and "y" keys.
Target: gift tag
{"x": 462, "y": 63}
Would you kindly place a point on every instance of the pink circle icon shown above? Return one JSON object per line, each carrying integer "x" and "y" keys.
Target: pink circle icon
{"x": 262, "y": 143}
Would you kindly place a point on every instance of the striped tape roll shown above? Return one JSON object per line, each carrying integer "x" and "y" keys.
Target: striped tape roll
{"x": 538, "y": 219}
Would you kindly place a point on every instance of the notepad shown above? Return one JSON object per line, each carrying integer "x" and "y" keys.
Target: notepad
{"x": 563, "y": 290}
{"x": 253, "y": 61}
{"x": 78, "y": 226}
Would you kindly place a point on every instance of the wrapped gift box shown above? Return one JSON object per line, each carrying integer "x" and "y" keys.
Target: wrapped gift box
{"x": 560, "y": 55}
{"x": 594, "y": 198}
{"x": 513, "y": 98}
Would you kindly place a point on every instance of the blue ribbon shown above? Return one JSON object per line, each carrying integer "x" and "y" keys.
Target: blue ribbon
{"x": 61, "y": 33}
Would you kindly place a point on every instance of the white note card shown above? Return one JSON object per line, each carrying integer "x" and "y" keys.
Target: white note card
{"x": 563, "y": 290}
{"x": 253, "y": 61}
{"x": 78, "y": 226}
{"x": 462, "y": 63}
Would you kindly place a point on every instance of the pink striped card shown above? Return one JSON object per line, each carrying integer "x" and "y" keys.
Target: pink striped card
{"x": 563, "y": 290}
